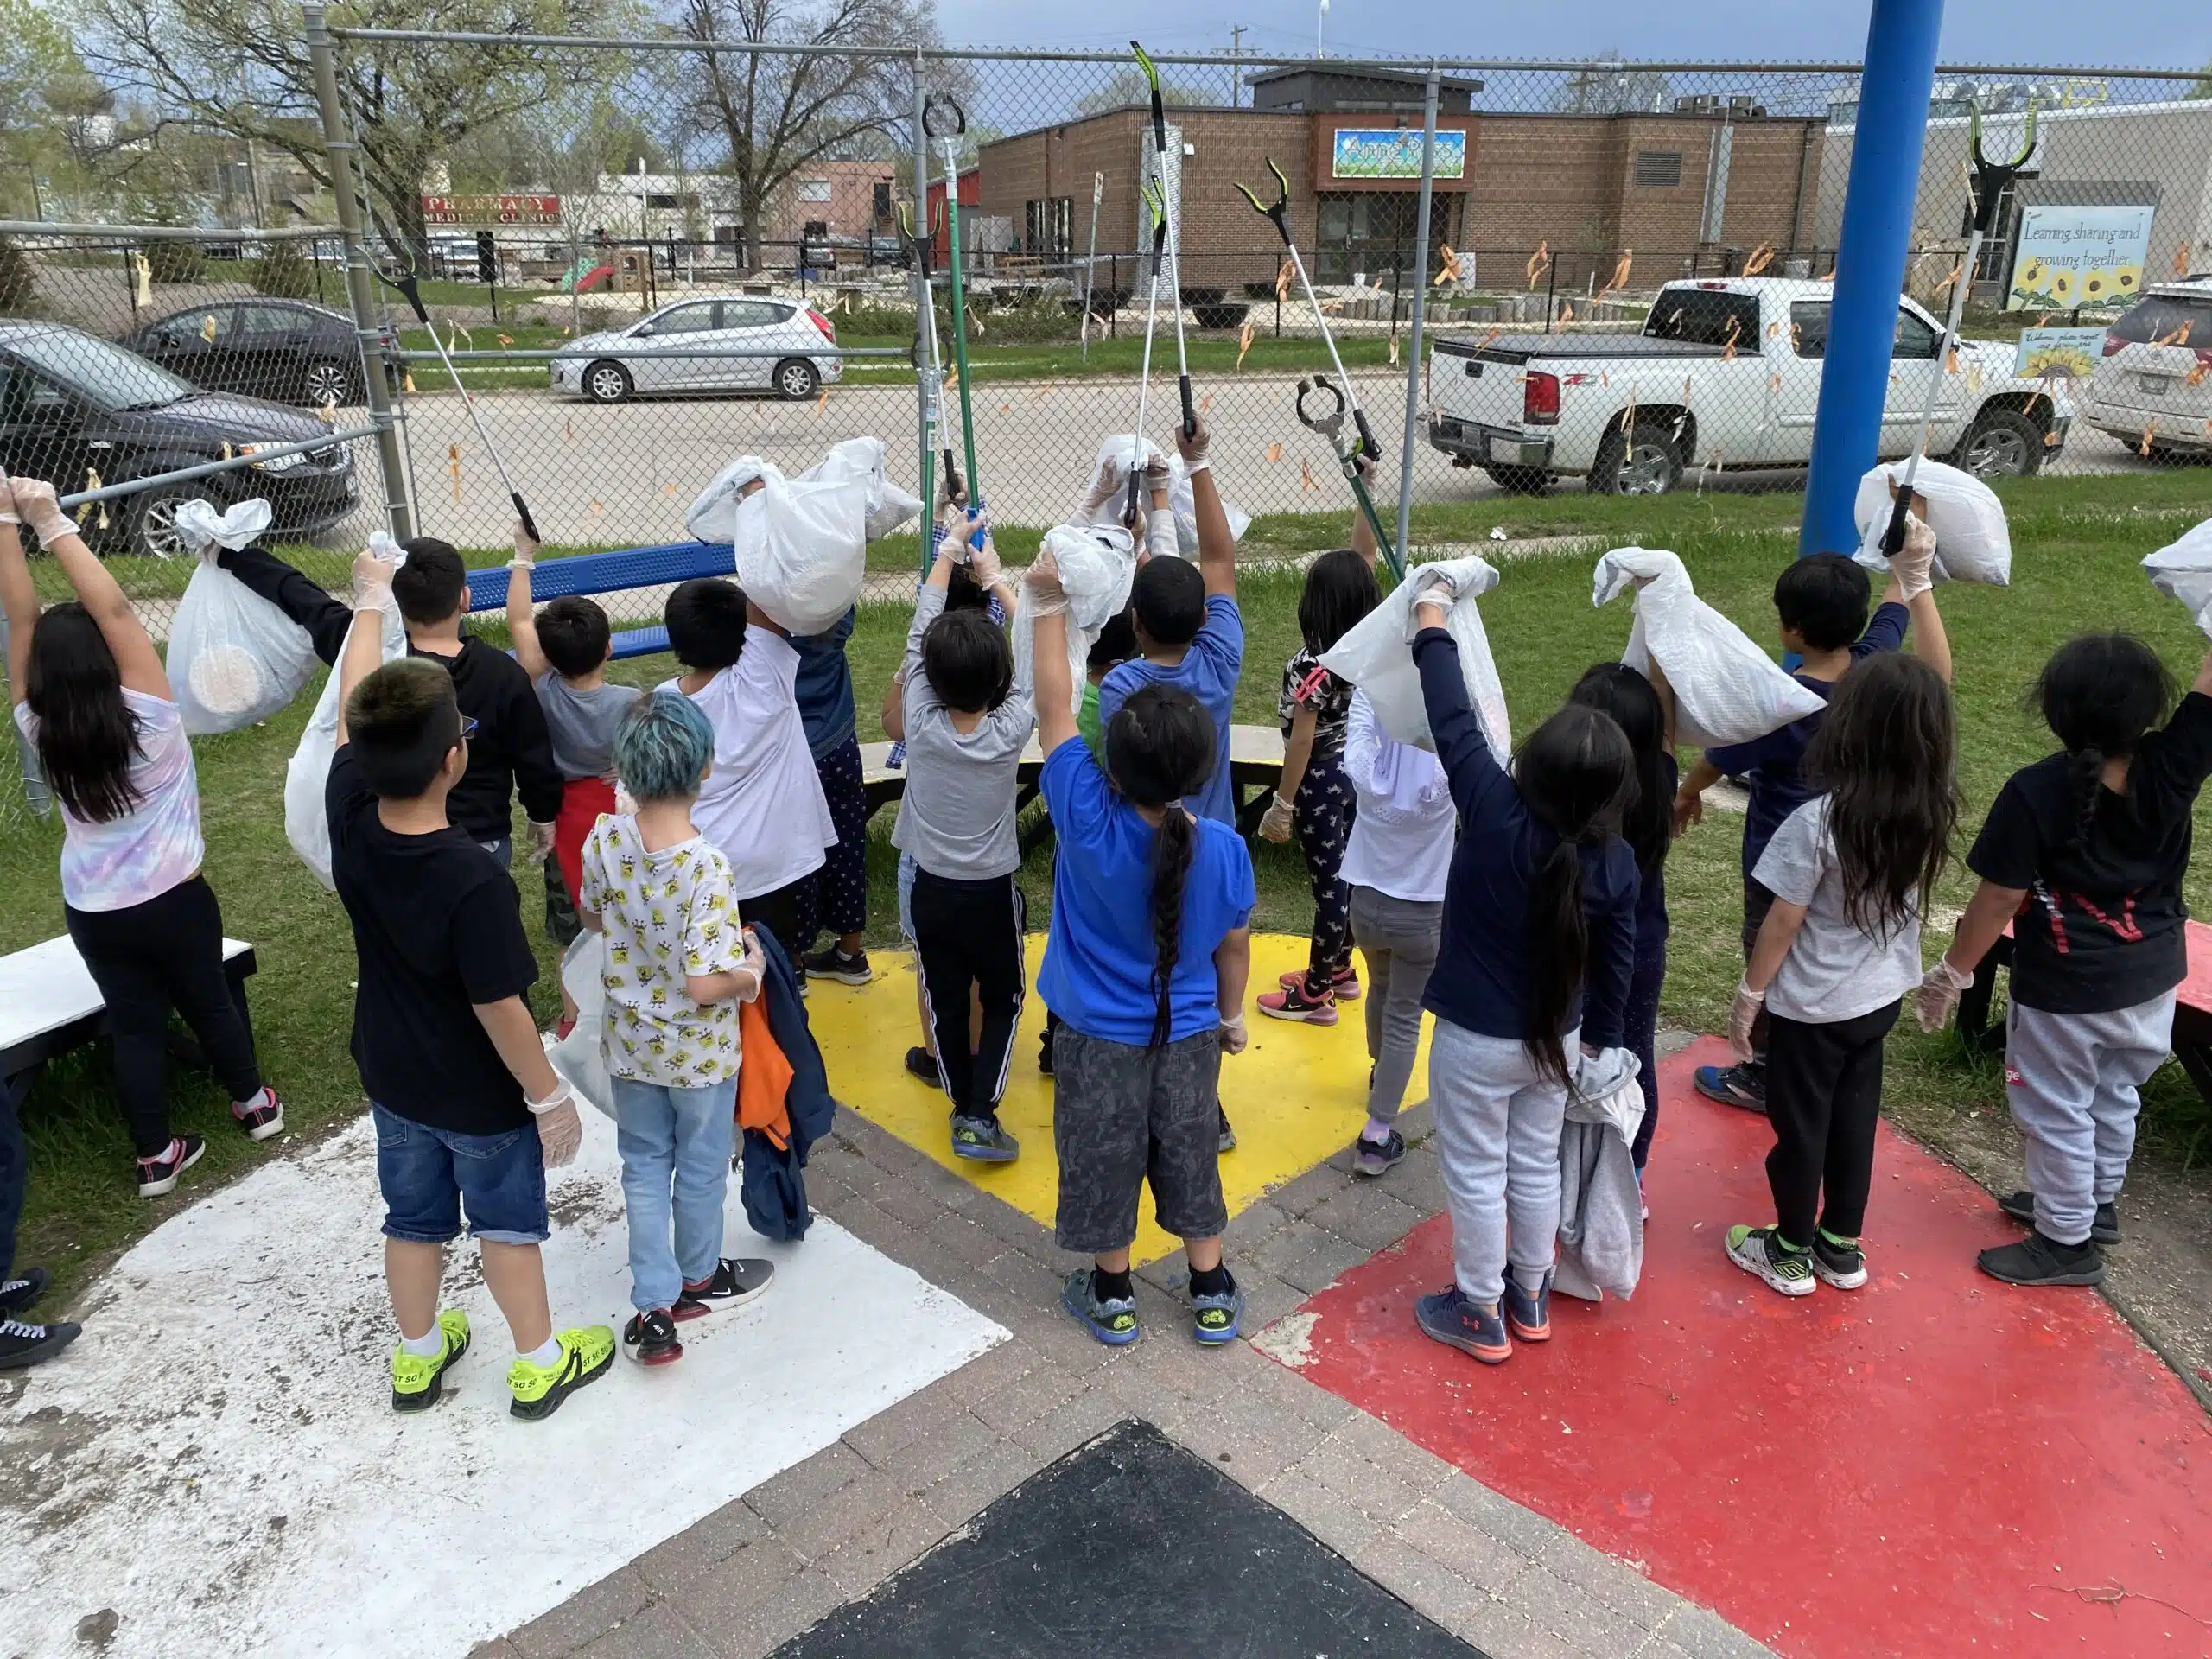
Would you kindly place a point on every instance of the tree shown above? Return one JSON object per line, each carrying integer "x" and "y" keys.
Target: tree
{"x": 283, "y": 272}
{"x": 2203, "y": 86}
{"x": 18, "y": 285}
{"x": 1611, "y": 86}
{"x": 46, "y": 97}
{"x": 1128, "y": 89}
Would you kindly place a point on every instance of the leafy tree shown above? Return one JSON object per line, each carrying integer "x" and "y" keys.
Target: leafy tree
{"x": 283, "y": 272}
{"x": 18, "y": 284}
{"x": 45, "y": 92}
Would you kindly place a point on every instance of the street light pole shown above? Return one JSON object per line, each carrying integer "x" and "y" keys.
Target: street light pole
{"x": 1320, "y": 27}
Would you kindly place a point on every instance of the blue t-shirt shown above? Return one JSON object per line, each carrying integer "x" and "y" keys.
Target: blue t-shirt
{"x": 824, "y": 686}
{"x": 1098, "y": 961}
{"x": 1208, "y": 672}
{"x": 1773, "y": 765}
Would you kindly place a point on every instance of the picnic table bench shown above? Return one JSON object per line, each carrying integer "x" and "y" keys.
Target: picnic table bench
{"x": 49, "y": 1005}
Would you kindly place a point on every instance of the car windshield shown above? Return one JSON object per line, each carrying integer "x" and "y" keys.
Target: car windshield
{"x": 100, "y": 373}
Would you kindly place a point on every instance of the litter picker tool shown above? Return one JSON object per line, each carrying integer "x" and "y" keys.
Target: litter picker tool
{"x": 1988, "y": 182}
{"x": 1280, "y": 215}
{"x": 1331, "y": 427}
{"x": 932, "y": 370}
{"x": 1134, "y": 511}
{"x": 1169, "y": 212}
{"x": 945, "y": 120}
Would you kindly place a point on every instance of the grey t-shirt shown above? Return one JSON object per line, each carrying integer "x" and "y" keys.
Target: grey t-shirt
{"x": 957, "y": 815}
{"x": 1834, "y": 970}
{"x": 582, "y": 723}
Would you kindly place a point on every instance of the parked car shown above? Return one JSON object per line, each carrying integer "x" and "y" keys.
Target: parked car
{"x": 2152, "y": 389}
{"x": 286, "y": 351}
{"x": 680, "y": 348}
{"x": 1727, "y": 371}
{"x": 74, "y": 407}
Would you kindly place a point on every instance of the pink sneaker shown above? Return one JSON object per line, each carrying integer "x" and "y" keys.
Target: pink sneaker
{"x": 1292, "y": 1003}
{"x": 1344, "y": 987}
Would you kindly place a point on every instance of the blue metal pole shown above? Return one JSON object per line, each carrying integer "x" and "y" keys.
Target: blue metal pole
{"x": 1877, "y": 214}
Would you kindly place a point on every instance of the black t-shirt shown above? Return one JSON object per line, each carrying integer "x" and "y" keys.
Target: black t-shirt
{"x": 2102, "y": 927}
{"x": 438, "y": 929}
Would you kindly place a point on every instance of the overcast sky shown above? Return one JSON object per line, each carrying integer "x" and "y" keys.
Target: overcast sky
{"x": 2160, "y": 33}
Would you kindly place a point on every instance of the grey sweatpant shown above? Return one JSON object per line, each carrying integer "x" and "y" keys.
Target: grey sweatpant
{"x": 1399, "y": 938}
{"x": 1498, "y": 1122}
{"x": 2071, "y": 1080}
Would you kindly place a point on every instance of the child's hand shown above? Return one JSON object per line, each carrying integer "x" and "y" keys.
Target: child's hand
{"x": 1155, "y": 476}
{"x": 1689, "y": 809}
{"x": 1741, "y": 1018}
{"x": 541, "y": 841}
{"x": 1914, "y": 563}
{"x": 1235, "y": 1038}
{"x": 1042, "y": 582}
{"x": 7, "y": 514}
{"x": 1103, "y": 488}
{"x": 525, "y": 547}
{"x": 755, "y": 963}
{"x": 1939, "y": 994}
{"x": 1192, "y": 446}
{"x": 983, "y": 564}
{"x": 371, "y": 581}
{"x": 36, "y": 505}
{"x": 1274, "y": 823}
{"x": 1428, "y": 614}
{"x": 560, "y": 1134}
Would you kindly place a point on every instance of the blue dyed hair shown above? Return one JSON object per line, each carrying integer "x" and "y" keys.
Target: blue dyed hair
{"x": 662, "y": 747}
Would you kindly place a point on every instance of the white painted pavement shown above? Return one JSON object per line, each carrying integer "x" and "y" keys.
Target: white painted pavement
{"x": 216, "y": 1459}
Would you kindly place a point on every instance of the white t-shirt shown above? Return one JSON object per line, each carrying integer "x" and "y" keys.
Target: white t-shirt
{"x": 1402, "y": 834}
{"x": 143, "y": 853}
{"x": 666, "y": 915}
{"x": 1835, "y": 970}
{"x": 762, "y": 805}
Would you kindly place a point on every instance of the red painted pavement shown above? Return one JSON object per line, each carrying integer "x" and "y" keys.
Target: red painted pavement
{"x": 1900, "y": 1470}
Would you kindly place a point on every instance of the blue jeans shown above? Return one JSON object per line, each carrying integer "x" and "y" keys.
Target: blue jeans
{"x": 428, "y": 1174}
{"x": 676, "y": 1145}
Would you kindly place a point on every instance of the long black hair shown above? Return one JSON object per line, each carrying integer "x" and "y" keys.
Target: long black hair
{"x": 87, "y": 736}
{"x": 1884, "y": 757}
{"x": 1160, "y": 747}
{"x": 1577, "y": 774}
{"x": 1340, "y": 589}
{"x": 2099, "y": 694}
{"x": 1647, "y": 825}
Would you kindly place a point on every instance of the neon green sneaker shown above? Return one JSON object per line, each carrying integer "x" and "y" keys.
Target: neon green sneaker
{"x": 416, "y": 1382}
{"x": 539, "y": 1390}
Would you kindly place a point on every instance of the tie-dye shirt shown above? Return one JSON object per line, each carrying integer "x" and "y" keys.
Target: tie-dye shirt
{"x": 666, "y": 916}
{"x": 143, "y": 853}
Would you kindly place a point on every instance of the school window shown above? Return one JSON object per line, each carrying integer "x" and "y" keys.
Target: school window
{"x": 814, "y": 189}
{"x": 1658, "y": 169}
{"x": 882, "y": 202}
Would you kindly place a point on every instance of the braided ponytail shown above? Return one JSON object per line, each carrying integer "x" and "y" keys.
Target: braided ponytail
{"x": 2085, "y": 770}
{"x": 1172, "y": 845}
{"x": 1160, "y": 747}
{"x": 2100, "y": 693}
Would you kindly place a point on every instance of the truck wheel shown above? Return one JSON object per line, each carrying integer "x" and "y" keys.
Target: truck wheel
{"x": 1644, "y": 462}
{"x": 2001, "y": 443}
{"x": 1520, "y": 480}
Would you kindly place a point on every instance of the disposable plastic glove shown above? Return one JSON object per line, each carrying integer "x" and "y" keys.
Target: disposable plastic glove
{"x": 541, "y": 841}
{"x": 371, "y": 581}
{"x": 1235, "y": 1038}
{"x": 8, "y": 513}
{"x": 525, "y": 547}
{"x": 1914, "y": 563}
{"x": 1742, "y": 1017}
{"x": 1938, "y": 996}
{"x": 36, "y": 505}
{"x": 1044, "y": 594}
{"x": 560, "y": 1131}
{"x": 1192, "y": 447}
{"x": 1103, "y": 488}
{"x": 1274, "y": 823}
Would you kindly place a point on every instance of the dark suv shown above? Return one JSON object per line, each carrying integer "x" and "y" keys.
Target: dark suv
{"x": 286, "y": 351}
{"x": 74, "y": 407}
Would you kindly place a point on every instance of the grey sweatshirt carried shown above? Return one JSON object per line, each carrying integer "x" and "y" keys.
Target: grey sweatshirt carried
{"x": 957, "y": 816}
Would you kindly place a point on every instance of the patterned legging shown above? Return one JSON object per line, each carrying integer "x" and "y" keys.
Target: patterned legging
{"x": 837, "y": 897}
{"x": 1322, "y": 817}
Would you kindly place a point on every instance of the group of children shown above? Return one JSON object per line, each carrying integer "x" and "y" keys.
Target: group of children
{"x": 715, "y": 824}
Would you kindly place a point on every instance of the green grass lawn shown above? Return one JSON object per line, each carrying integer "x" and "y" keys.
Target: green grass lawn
{"x": 2077, "y": 543}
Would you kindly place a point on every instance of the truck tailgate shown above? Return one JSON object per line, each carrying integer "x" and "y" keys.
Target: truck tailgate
{"x": 1519, "y": 349}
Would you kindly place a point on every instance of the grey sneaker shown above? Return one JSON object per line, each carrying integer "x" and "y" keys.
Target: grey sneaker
{"x": 1113, "y": 1321}
{"x": 1375, "y": 1157}
{"x": 980, "y": 1140}
{"x": 1759, "y": 1251}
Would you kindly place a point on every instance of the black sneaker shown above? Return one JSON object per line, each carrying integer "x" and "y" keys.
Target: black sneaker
{"x": 157, "y": 1176}
{"x": 1375, "y": 1157}
{"x": 24, "y": 1289}
{"x": 1044, "y": 1053}
{"x": 2105, "y": 1229}
{"x": 732, "y": 1284}
{"x": 1228, "y": 1134}
{"x": 831, "y": 963}
{"x": 22, "y": 1344}
{"x": 980, "y": 1140}
{"x": 650, "y": 1338}
{"x": 1837, "y": 1263}
{"x": 923, "y": 1064}
{"x": 2037, "y": 1260}
{"x": 261, "y": 1118}
{"x": 1742, "y": 1085}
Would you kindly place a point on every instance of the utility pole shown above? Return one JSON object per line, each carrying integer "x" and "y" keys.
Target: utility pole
{"x": 1236, "y": 32}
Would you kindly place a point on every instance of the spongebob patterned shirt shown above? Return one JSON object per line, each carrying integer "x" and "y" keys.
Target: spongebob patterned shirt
{"x": 666, "y": 915}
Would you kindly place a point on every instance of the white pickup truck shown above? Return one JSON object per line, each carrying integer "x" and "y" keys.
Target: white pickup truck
{"x": 1724, "y": 374}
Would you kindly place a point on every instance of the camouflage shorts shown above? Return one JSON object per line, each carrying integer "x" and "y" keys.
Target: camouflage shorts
{"x": 1123, "y": 1115}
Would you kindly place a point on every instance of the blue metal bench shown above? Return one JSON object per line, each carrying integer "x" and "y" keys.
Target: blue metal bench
{"x": 607, "y": 573}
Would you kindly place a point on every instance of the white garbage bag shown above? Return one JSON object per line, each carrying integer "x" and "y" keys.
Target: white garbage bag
{"x": 2182, "y": 570}
{"x": 713, "y": 516}
{"x": 889, "y": 507}
{"x": 1376, "y": 654}
{"x": 1726, "y": 690}
{"x": 1117, "y": 449}
{"x": 1973, "y": 541}
{"x": 581, "y": 1056}
{"x": 307, "y": 819}
{"x": 1097, "y": 563}
{"x": 234, "y": 658}
{"x": 801, "y": 548}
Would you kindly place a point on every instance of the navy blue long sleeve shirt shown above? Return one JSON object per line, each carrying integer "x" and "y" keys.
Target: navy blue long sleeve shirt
{"x": 1481, "y": 981}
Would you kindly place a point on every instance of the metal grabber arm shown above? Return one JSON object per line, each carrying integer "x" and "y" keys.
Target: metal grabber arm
{"x": 1330, "y": 426}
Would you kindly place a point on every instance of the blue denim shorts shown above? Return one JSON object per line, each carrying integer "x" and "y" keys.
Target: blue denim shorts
{"x": 429, "y": 1175}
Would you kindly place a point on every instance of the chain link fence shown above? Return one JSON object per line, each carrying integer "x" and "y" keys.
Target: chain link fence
{"x": 672, "y": 255}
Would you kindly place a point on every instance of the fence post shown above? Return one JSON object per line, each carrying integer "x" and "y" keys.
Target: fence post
{"x": 1420, "y": 316}
{"x": 925, "y": 308}
{"x": 338, "y": 145}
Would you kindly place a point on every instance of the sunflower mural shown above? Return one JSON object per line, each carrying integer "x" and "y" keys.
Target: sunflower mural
{"x": 2060, "y": 363}
{"x": 2081, "y": 256}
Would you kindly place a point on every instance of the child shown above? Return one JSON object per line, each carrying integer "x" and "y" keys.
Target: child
{"x": 838, "y": 894}
{"x": 93, "y": 701}
{"x": 1821, "y": 605}
{"x": 564, "y": 649}
{"x": 469, "y": 1114}
{"x": 1396, "y": 864}
{"x": 965, "y": 725}
{"x": 1313, "y": 791}
{"x": 1539, "y": 939}
{"x": 1146, "y": 966}
{"x": 2084, "y": 854}
{"x": 511, "y": 753}
{"x": 677, "y": 965}
{"x": 1645, "y": 710}
{"x": 762, "y": 805}
{"x": 1850, "y": 871}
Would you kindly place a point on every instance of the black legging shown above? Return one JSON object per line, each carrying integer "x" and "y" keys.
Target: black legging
{"x": 326, "y": 619}
{"x": 147, "y": 959}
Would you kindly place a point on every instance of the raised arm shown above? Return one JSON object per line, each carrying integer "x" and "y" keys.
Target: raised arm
{"x": 1055, "y": 690}
{"x": 363, "y": 650}
{"x": 1362, "y": 533}
{"x": 1461, "y": 743}
{"x": 1216, "y": 547}
{"x": 522, "y": 614}
{"x": 136, "y": 659}
{"x": 18, "y": 599}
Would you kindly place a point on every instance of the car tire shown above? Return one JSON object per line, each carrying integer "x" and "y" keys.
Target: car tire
{"x": 2001, "y": 443}
{"x": 148, "y": 523}
{"x": 1520, "y": 480}
{"x": 796, "y": 379}
{"x": 326, "y": 383}
{"x": 1646, "y": 461}
{"x": 608, "y": 382}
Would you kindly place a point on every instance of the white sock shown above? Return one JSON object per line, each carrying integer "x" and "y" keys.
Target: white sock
{"x": 169, "y": 1151}
{"x": 429, "y": 1346}
{"x": 254, "y": 1104}
{"x": 543, "y": 1356}
{"x": 1378, "y": 1130}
